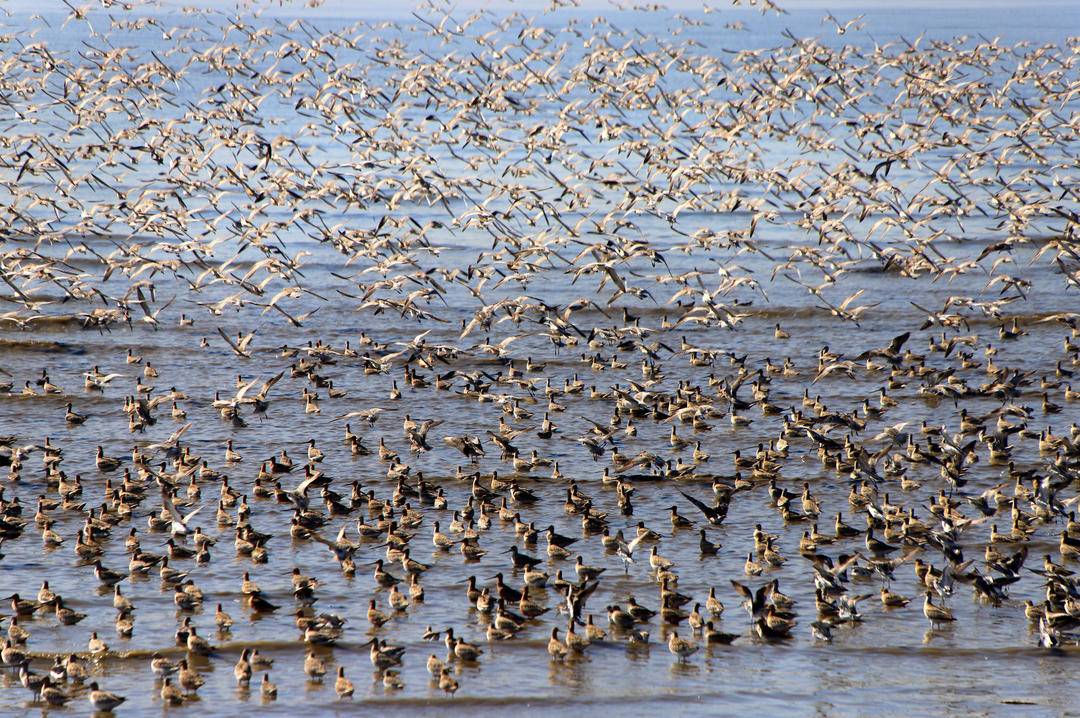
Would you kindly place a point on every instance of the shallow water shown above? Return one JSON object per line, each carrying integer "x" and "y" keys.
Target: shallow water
{"x": 986, "y": 663}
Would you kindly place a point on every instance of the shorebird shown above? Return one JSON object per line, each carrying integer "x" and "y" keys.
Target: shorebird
{"x": 681, "y": 648}
{"x": 936, "y": 614}
{"x": 534, "y": 283}
{"x": 103, "y": 700}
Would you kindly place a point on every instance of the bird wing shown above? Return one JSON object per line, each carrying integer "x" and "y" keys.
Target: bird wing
{"x": 173, "y": 438}
{"x": 845, "y": 565}
{"x": 268, "y": 385}
{"x": 427, "y": 426}
{"x": 142, "y": 301}
{"x": 350, "y": 415}
{"x": 898, "y": 341}
{"x": 306, "y": 483}
{"x": 230, "y": 342}
{"x": 632, "y": 546}
{"x": 742, "y": 590}
{"x": 764, "y": 592}
{"x": 244, "y": 390}
{"x": 707, "y": 510}
{"x": 163, "y": 307}
{"x": 844, "y": 304}
{"x": 167, "y": 502}
{"x": 191, "y": 515}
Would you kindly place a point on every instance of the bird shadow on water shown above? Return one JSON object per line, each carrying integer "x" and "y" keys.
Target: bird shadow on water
{"x": 570, "y": 675}
{"x": 638, "y": 653}
{"x": 946, "y": 634}
{"x": 684, "y": 669}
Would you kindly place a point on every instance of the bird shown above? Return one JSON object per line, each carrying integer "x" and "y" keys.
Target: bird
{"x": 556, "y": 648}
{"x": 342, "y": 685}
{"x": 103, "y": 701}
{"x": 681, "y": 648}
{"x": 936, "y": 614}
{"x": 602, "y": 226}
{"x": 179, "y": 522}
{"x": 314, "y": 667}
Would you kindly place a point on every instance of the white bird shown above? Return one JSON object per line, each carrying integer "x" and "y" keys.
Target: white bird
{"x": 625, "y": 551}
{"x": 179, "y": 521}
